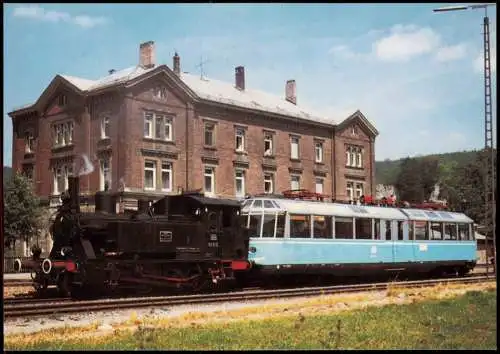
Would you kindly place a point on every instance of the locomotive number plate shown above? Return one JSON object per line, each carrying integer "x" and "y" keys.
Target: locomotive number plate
{"x": 213, "y": 244}
{"x": 213, "y": 237}
{"x": 165, "y": 236}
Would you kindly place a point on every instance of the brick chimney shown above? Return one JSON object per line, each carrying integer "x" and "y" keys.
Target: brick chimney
{"x": 177, "y": 64}
{"x": 240, "y": 77}
{"x": 291, "y": 91}
{"x": 147, "y": 54}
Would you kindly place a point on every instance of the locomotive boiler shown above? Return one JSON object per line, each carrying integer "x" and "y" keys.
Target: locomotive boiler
{"x": 185, "y": 241}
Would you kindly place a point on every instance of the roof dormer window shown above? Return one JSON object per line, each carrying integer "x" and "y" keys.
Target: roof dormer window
{"x": 63, "y": 100}
{"x": 160, "y": 93}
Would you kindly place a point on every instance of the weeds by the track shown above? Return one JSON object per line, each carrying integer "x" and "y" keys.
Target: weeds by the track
{"x": 467, "y": 321}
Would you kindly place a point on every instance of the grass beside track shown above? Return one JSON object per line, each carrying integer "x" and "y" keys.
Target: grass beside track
{"x": 464, "y": 322}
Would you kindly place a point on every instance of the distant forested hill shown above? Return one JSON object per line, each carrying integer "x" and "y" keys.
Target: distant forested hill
{"x": 7, "y": 172}
{"x": 387, "y": 171}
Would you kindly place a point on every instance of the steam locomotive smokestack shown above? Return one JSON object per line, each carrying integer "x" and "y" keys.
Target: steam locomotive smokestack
{"x": 74, "y": 193}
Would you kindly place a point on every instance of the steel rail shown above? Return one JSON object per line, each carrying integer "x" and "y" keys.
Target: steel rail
{"x": 26, "y": 309}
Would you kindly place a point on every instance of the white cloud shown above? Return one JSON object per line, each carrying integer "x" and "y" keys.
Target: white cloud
{"x": 406, "y": 42}
{"x": 450, "y": 53}
{"x": 88, "y": 21}
{"x": 344, "y": 52}
{"x": 36, "y": 12}
{"x": 479, "y": 61}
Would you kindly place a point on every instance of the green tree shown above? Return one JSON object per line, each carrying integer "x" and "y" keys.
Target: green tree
{"x": 416, "y": 179}
{"x": 467, "y": 190}
{"x": 22, "y": 211}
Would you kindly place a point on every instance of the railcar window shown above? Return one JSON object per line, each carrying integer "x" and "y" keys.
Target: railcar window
{"x": 363, "y": 228}
{"x": 280, "y": 227}
{"x": 246, "y": 203}
{"x": 268, "y": 227}
{"x": 387, "y": 229}
{"x": 450, "y": 231}
{"x": 463, "y": 232}
{"x": 436, "y": 231}
{"x": 300, "y": 226}
{"x": 255, "y": 222}
{"x": 268, "y": 204}
{"x": 322, "y": 226}
{"x": 421, "y": 230}
{"x": 411, "y": 230}
{"x": 377, "y": 228}
{"x": 343, "y": 228}
{"x": 257, "y": 204}
{"x": 400, "y": 230}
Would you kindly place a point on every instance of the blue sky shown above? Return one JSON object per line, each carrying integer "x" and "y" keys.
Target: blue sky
{"x": 415, "y": 74}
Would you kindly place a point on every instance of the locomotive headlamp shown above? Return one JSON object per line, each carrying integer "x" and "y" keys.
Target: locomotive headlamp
{"x": 46, "y": 266}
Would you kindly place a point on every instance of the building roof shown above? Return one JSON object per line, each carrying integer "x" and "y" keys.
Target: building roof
{"x": 207, "y": 89}
{"x": 227, "y": 93}
{"x": 117, "y": 77}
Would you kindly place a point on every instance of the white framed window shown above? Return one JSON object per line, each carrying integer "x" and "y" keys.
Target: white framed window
{"x": 68, "y": 133}
{"x": 58, "y": 180}
{"x": 294, "y": 147}
{"x": 149, "y": 175}
{"x": 68, "y": 171}
{"x": 359, "y": 157}
{"x": 319, "y": 185}
{"x": 160, "y": 93}
{"x": 295, "y": 182}
{"x": 62, "y": 134}
{"x": 29, "y": 142}
{"x": 268, "y": 144}
{"x": 166, "y": 176}
{"x": 61, "y": 174}
{"x": 148, "y": 125}
{"x": 318, "y": 149}
{"x": 268, "y": 183}
{"x": 105, "y": 127}
{"x": 240, "y": 139}
{"x": 354, "y": 156}
{"x": 239, "y": 181}
{"x": 157, "y": 126}
{"x": 105, "y": 174}
{"x": 209, "y": 135}
{"x": 359, "y": 190}
{"x": 209, "y": 181}
{"x": 168, "y": 129}
{"x": 350, "y": 190}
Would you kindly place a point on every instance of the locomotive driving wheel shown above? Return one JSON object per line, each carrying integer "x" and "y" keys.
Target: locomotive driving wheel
{"x": 40, "y": 284}
{"x": 64, "y": 284}
{"x": 197, "y": 283}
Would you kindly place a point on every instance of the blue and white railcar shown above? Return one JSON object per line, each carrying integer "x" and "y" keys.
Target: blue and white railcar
{"x": 296, "y": 236}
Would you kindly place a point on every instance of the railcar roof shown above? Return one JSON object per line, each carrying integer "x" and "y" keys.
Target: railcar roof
{"x": 436, "y": 215}
{"x": 322, "y": 208}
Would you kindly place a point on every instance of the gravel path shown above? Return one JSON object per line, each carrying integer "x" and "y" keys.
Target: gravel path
{"x": 107, "y": 321}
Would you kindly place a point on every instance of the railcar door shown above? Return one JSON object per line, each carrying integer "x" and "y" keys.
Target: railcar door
{"x": 394, "y": 240}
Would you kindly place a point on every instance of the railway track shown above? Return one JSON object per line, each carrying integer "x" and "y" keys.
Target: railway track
{"x": 65, "y": 306}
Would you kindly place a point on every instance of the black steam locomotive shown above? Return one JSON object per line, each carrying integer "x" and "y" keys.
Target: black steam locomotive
{"x": 184, "y": 241}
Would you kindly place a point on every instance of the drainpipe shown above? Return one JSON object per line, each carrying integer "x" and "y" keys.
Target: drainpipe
{"x": 187, "y": 146}
{"x": 334, "y": 174}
